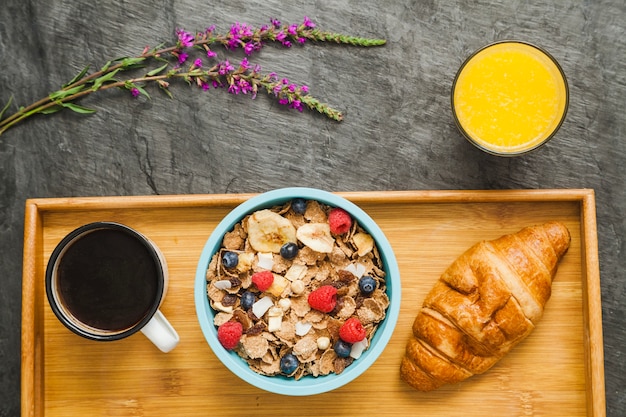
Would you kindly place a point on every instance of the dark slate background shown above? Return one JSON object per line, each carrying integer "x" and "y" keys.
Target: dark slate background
{"x": 398, "y": 132}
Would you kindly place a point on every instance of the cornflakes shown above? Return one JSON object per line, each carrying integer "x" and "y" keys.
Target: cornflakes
{"x": 289, "y": 325}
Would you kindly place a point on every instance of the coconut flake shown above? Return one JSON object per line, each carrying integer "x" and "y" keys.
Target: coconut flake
{"x": 266, "y": 260}
{"x": 358, "y": 348}
{"x": 302, "y": 327}
{"x": 260, "y": 307}
{"x": 223, "y": 284}
{"x": 351, "y": 268}
{"x": 358, "y": 269}
{"x": 296, "y": 272}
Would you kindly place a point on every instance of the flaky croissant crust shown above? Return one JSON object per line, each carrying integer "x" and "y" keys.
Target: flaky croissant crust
{"x": 487, "y": 301}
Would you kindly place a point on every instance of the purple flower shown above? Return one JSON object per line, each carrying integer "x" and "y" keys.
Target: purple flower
{"x": 297, "y": 104}
{"x": 233, "y": 89}
{"x": 293, "y": 30}
{"x": 308, "y": 23}
{"x": 276, "y": 23}
{"x": 240, "y": 86}
{"x": 233, "y": 43}
{"x": 304, "y": 89}
{"x": 245, "y": 86}
{"x": 249, "y": 48}
{"x": 234, "y": 29}
{"x": 197, "y": 63}
{"x": 283, "y": 101}
{"x": 245, "y": 64}
{"x": 301, "y": 40}
{"x": 182, "y": 57}
{"x": 135, "y": 91}
{"x": 204, "y": 85}
{"x": 185, "y": 38}
{"x": 281, "y": 36}
{"x": 240, "y": 29}
{"x": 210, "y": 53}
{"x": 225, "y": 68}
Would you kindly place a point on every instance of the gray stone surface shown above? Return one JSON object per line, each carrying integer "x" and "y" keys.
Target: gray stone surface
{"x": 398, "y": 132}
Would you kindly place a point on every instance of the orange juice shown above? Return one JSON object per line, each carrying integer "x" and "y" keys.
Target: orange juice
{"x": 509, "y": 98}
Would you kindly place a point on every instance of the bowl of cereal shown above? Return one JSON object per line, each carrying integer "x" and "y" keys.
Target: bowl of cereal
{"x": 297, "y": 291}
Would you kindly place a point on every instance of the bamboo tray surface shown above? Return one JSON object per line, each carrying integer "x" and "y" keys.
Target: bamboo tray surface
{"x": 557, "y": 371}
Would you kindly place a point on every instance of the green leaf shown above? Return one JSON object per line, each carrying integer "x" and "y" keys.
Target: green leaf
{"x": 106, "y": 66}
{"x": 78, "y": 76}
{"x": 132, "y": 62}
{"x": 61, "y": 94}
{"x": 78, "y": 109}
{"x": 143, "y": 92}
{"x": 157, "y": 70}
{"x": 50, "y": 110}
{"x": 166, "y": 91}
{"x": 156, "y": 48}
{"x": 5, "y": 108}
{"x": 101, "y": 80}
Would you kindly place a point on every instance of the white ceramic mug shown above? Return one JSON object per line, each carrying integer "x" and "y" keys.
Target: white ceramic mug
{"x": 106, "y": 281}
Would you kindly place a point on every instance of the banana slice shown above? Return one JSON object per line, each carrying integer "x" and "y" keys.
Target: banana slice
{"x": 316, "y": 236}
{"x": 245, "y": 261}
{"x": 268, "y": 231}
{"x": 364, "y": 243}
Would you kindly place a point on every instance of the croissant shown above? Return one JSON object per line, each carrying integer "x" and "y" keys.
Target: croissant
{"x": 484, "y": 304}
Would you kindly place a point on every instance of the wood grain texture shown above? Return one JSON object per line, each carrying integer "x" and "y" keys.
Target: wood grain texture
{"x": 398, "y": 133}
{"x": 557, "y": 370}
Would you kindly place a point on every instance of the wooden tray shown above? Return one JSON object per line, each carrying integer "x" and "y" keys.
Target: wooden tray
{"x": 557, "y": 370}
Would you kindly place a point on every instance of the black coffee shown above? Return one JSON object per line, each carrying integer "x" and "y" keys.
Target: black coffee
{"x": 108, "y": 280}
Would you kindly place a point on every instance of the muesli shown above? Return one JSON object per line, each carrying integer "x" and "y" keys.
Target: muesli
{"x": 298, "y": 289}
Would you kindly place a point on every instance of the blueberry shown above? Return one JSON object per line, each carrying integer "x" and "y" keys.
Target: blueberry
{"x": 289, "y": 250}
{"x": 288, "y": 364}
{"x": 230, "y": 259}
{"x": 342, "y": 349}
{"x": 247, "y": 299}
{"x": 367, "y": 284}
{"x": 298, "y": 205}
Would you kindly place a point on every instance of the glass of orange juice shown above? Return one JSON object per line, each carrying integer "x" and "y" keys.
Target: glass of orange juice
{"x": 509, "y": 98}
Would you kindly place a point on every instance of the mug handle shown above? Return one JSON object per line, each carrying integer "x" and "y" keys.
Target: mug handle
{"x": 161, "y": 333}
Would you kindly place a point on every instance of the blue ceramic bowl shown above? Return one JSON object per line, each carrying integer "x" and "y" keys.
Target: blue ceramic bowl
{"x": 307, "y": 385}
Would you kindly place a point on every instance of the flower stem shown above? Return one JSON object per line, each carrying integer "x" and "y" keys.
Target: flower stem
{"x": 241, "y": 80}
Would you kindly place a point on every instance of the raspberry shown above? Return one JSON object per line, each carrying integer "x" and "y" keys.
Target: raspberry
{"x": 263, "y": 280}
{"x": 339, "y": 221}
{"x": 229, "y": 333}
{"x": 352, "y": 331}
{"x": 324, "y": 298}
